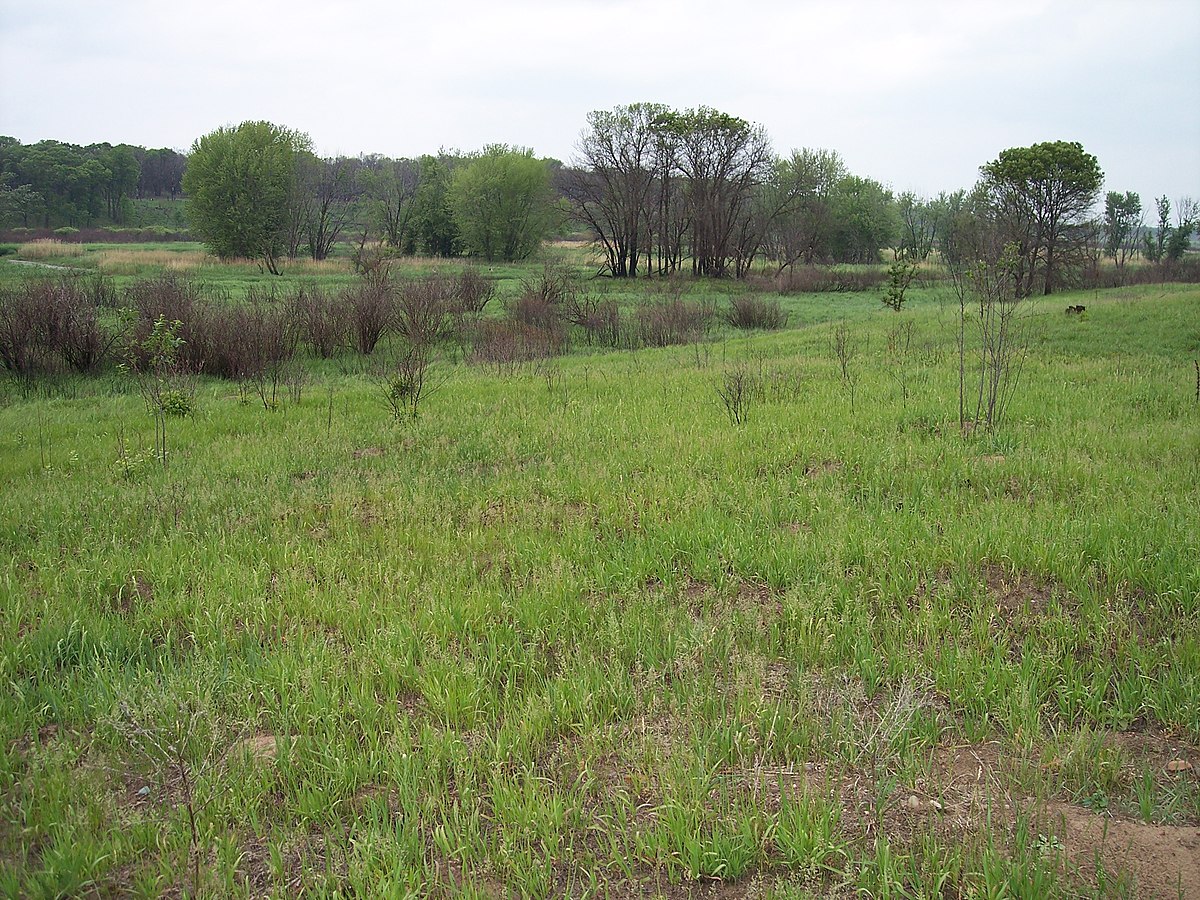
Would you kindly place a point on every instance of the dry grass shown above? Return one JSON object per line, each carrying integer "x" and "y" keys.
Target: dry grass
{"x": 133, "y": 262}
{"x": 49, "y": 248}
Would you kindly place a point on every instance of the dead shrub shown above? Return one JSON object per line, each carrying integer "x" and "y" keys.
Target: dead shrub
{"x": 73, "y": 329}
{"x": 820, "y": 280}
{"x": 19, "y": 328}
{"x": 507, "y": 345}
{"x": 751, "y": 312}
{"x": 661, "y": 323}
{"x": 370, "y": 309}
{"x": 319, "y": 318}
{"x": 171, "y": 298}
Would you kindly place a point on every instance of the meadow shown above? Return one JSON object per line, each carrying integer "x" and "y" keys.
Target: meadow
{"x": 572, "y": 631}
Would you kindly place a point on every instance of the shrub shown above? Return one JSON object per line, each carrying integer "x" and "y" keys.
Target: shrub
{"x": 319, "y": 318}
{"x": 72, "y": 327}
{"x": 369, "y": 307}
{"x": 661, "y": 323}
{"x": 424, "y": 310}
{"x": 66, "y": 231}
{"x": 19, "y": 327}
{"x": 754, "y": 312}
{"x": 820, "y": 280}
{"x": 509, "y": 344}
{"x": 405, "y": 381}
{"x": 472, "y": 292}
{"x": 171, "y": 298}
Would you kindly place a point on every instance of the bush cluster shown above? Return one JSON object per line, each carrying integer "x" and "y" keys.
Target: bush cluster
{"x": 819, "y": 280}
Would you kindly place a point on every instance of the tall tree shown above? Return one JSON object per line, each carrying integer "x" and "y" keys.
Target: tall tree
{"x": 502, "y": 203}
{"x": 240, "y": 181}
{"x": 865, "y": 220}
{"x": 805, "y": 230}
{"x": 1043, "y": 194}
{"x": 613, "y": 187}
{"x": 723, "y": 159}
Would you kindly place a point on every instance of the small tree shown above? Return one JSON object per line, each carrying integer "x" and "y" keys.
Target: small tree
{"x": 1122, "y": 225}
{"x": 161, "y": 378}
{"x": 900, "y": 275}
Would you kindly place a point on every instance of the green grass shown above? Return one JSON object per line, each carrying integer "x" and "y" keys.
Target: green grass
{"x": 578, "y": 634}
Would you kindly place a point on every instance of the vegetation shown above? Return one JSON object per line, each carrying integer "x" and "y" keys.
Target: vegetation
{"x": 1041, "y": 197}
{"x": 240, "y": 184}
{"x": 750, "y": 613}
{"x": 52, "y": 184}
{"x": 502, "y": 203}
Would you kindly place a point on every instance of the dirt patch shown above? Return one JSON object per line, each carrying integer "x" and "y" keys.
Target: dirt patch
{"x": 1164, "y": 860}
{"x": 1017, "y": 592}
{"x": 261, "y": 748}
{"x": 821, "y": 467}
{"x": 135, "y": 591}
{"x": 368, "y": 452}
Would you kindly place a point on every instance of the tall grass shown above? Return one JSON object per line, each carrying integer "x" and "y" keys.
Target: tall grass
{"x": 50, "y": 248}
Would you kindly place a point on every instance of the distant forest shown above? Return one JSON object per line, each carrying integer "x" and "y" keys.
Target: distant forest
{"x": 52, "y": 184}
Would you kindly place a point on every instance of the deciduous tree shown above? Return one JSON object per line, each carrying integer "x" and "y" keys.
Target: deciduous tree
{"x": 502, "y": 203}
{"x": 240, "y": 183}
{"x": 1042, "y": 195}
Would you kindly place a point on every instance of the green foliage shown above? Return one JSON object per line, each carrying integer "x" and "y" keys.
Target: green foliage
{"x": 239, "y": 181}
{"x": 1039, "y": 196}
{"x": 502, "y": 203}
{"x": 900, "y": 275}
{"x": 52, "y": 183}
{"x": 1122, "y": 224}
{"x": 865, "y": 219}
{"x": 435, "y": 230}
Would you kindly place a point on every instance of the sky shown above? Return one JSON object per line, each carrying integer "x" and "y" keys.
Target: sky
{"x": 915, "y": 94}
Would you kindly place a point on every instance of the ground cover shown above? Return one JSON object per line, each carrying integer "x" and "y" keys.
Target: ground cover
{"x": 572, "y": 631}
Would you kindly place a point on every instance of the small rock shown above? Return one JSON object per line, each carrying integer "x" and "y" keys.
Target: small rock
{"x": 144, "y": 791}
{"x": 1176, "y": 766}
{"x": 937, "y": 806}
{"x": 913, "y": 802}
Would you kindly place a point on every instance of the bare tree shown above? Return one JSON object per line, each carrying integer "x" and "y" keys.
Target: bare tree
{"x": 614, "y": 184}
{"x": 724, "y": 159}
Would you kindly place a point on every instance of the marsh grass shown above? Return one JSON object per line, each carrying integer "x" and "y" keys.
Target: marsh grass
{"x": 577, "y": 635}
{"x": 50, "y": 248}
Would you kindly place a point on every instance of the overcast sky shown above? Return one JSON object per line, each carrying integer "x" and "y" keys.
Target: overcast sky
{"x": 915, "y": 94}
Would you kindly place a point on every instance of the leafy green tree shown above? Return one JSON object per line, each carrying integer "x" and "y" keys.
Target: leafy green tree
{"x": 865, "y": 220}
{"x": 1122, "y": 222}
{"x": 805, "y": 229}
{"x": 240, "y": 183}
{"x": 502, "y": 203}
{"x": 122, "y": 181}
{"x": 435, "y": 226}
{"x": 1043, "y": 195}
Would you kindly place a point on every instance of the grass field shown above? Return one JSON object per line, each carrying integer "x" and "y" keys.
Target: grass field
{"x": 573, "y": 632}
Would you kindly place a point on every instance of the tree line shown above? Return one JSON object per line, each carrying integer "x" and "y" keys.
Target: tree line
{"x": 661, "y": 191}
{"x": 50, "y": 183}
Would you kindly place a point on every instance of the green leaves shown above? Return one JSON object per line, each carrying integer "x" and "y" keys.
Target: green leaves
{"x": 240, "y": 184}
{"x": 502, "y": 203}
